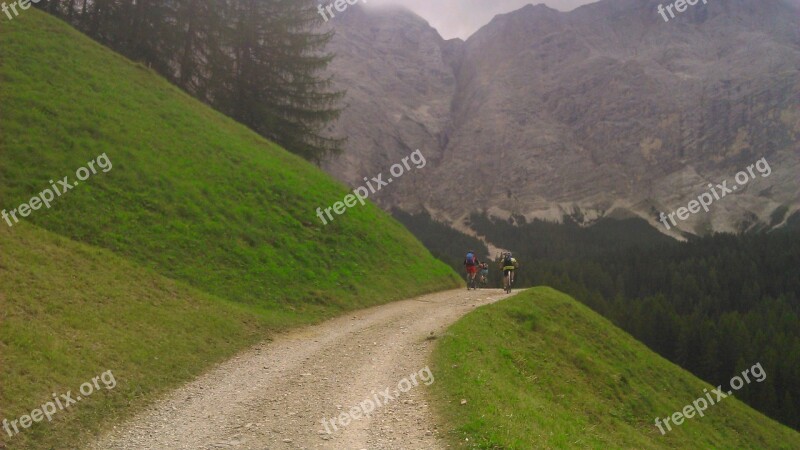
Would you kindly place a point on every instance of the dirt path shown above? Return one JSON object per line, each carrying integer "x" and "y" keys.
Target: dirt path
{"x": 275, "y": 395}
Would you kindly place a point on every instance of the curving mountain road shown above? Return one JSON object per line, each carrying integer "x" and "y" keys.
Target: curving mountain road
{"x": 276, "y": 394}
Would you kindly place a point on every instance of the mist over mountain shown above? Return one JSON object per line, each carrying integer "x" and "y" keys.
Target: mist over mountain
{"x": 606, "y": 110}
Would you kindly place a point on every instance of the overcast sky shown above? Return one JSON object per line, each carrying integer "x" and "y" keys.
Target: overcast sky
{"x": 460, "y": 18}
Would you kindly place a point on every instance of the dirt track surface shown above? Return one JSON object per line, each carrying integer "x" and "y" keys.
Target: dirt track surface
{"x": 276, "y": 394}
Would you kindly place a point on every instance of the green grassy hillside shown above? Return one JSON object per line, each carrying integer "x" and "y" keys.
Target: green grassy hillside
{"x": 192, "y": 194}
{"x": 200, "y": 240}
{"x": 541, "y": 370}
{"x": 71, "y": 311}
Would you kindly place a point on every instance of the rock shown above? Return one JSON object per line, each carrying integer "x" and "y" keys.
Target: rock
{"x": 629, "y": 122}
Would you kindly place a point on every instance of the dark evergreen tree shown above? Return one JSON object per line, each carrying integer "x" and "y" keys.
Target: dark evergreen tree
{"x": 261, "y": 62}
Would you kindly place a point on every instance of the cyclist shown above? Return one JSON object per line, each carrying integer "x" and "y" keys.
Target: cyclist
{"x": 510, "y": 264}
{"x": 471, "y": 264}
{"x": 484, "y": 274}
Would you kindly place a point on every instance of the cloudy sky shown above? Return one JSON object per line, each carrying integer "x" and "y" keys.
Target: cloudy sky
{"x": 460, "y": 18}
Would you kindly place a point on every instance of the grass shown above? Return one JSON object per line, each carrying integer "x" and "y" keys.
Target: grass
{"x": 71, "y": 311}
{"x": 541, "y": 370}
{"x": 201, "y": 240}
{"x": 192, "y": 194}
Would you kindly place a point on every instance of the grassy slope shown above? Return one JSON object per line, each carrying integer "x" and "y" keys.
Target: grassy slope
{"x": 193, "y": 194}
{"x": 71, "y": 311}
{"x": 541, "y": 370}
{"x": 201, "y": 239}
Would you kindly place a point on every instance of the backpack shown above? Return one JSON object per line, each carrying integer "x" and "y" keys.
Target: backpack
{"x": 470, "y": 259}
{"x": 508, "y": 261}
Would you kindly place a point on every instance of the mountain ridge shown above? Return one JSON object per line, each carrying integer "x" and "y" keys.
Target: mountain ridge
{"x": 602, "y": 108}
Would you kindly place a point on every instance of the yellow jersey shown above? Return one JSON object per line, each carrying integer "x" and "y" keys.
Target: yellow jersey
{"x": 514, "y": 265}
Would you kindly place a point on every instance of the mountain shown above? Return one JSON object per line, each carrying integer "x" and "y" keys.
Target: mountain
{"x": 199, "y": 239}
{"x": 541, "y": 370}
{"x": 606, "y": 110}
{"x": 399, "y": 77}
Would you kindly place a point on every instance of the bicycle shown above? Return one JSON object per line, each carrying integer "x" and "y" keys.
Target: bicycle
{"x": 471, "y": 281}
{"x": 508, "y": 280}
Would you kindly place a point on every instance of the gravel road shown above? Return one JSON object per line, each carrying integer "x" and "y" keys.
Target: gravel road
{"x": 276, "y": 394}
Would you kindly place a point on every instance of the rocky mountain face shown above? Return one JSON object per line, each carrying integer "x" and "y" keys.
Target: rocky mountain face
{"x": 606, "y": 110}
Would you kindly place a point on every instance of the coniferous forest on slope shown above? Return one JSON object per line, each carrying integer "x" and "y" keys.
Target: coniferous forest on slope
{"x": 714, "y": 305}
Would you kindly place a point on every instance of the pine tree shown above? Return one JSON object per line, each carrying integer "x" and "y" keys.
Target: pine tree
{"x": 261, "y": 62}
{"x": 278, "y": 86}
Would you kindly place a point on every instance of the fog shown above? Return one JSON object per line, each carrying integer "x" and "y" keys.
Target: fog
{"x": 461, "y": 18}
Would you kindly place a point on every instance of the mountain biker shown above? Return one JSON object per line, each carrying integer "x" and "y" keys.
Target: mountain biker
{"x": 471, "y": 264}
{"x": 484, "y": 274}
{"x": 510, "y": 264}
